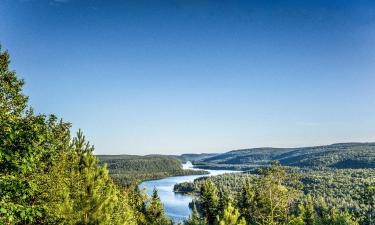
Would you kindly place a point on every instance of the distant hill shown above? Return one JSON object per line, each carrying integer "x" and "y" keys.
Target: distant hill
{"x": 341, "y": 155}
{"x": 195, "y": 157}
{"x": 131, "y": 169}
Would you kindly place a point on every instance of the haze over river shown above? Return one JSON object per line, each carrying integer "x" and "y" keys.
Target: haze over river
{"x": 176, "y": 205}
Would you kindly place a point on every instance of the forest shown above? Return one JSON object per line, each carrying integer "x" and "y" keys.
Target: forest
{"x": 342, "y": 174}
{"x": 341, "y": 189}
{"x": 49, "y": 176}
{"x": 130, "y": 170}
{"x": 341, "y": 155}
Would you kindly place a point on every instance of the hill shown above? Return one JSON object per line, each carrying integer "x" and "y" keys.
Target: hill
{"x": 341, "y": 155}
{"x": 130, "y": 169}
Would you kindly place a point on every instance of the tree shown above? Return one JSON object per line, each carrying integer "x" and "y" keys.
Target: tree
{"x": 137, "y": 201}
{"x": 274, "y": 199}
{"x": 28, "y": 145}
{"x": 224, "y": 200}
{"x": 246, "y": 202}
{"x": 368, "y": 198}
{"x": 209, "y": 201}
{"x": 309, "y": 216}
{"x": 231, "y": 216}
{"x": 155, "y": 210}
{"x": 194, "y": 218}
{"x": 45, "y": 176}
{"x": 341, "y": 218}
{"x": 92, "y": 196}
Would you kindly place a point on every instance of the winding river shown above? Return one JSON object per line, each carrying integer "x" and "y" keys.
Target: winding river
{"x": 176, "y": 205}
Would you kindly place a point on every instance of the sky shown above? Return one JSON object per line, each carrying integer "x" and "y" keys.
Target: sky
{"x": 192, "y": 76}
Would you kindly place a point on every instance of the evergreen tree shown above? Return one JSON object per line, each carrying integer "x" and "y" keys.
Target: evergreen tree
{"x": 91, "y": 196}
{"x": 224, "y": 200}
{"x": 309, "y": 213}
{"x": 230, "y": 216}
{"x": 274, "y": 199}
{"x": 323, "y": 212}
{"x": 246, "y": 202}
{"x": 155, "y": 211}
{"x": 194, "y": 219}
{"x": 368, "y": 198}
{"x": 209, "y": 201}
{"x": 45, "y": 177}
{"x": 137, "y": 200}
{"x": 341, "y": 218}
{"x": 299, "y": 218}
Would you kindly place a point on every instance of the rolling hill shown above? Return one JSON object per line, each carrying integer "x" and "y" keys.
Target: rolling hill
{"x": 341, "y": 155}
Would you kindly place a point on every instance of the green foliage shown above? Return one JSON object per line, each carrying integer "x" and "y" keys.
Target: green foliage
{"x": 224, "y": 200}
{"x": 195, "y": 219}
{"x": 155, "y": 211}
{"x": 29, "y": 144}
{"x": 273, "y": 196}
{"x": 209, "y": 201}
{"x": 231, "y": 216}
{"x": 246, "y": 200}
{"x": 345, "y": 189}
{"x": 309, "y": 212}
{"x": 273, "y": 199}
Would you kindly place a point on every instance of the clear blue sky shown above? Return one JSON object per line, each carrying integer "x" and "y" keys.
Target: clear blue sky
{"x": 183, "y": 76}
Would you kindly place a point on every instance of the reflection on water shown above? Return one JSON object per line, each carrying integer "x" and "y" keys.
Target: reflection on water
{"x": 176, "y": 205}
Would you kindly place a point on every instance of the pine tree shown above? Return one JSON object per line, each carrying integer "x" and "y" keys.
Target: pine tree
{"x": 93, "y": 198}
{"x": 137, "y": 201}
{"x": 209, "y": 201}
{"x": 342, "y": 218}
{"x": 230, "y": 216}
{"x": 155, "y": 211}
{"x": 368, "y": 198}
{"x": 323, "y": 212}
{"x": 194, "y": 218}
{"x": 309, "y": 214}
{"x": 298, "y": 219}
{"x": 246, "y": 202}
{"x": 224, "y": 200}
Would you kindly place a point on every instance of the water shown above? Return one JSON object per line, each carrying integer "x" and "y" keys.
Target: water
{"x": 176, "y": 205}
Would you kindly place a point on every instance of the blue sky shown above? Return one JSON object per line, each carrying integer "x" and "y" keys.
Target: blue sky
{"x": 181, "y": 76}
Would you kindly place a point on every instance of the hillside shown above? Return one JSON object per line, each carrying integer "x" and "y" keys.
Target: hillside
{"x": 130, "y": 169}
{"x": 195, "y": 157}
{"x": 341, "y": 155}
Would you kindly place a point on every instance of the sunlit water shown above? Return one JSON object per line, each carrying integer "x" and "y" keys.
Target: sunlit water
{"x": 176, "y": 205}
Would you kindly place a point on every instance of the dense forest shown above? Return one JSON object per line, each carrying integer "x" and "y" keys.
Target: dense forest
{"x": 343, "y": 189}
{"x": 341, "y": 174}
{"x": 49, "y": 176}
{"x": 128, "y": 170}
{"x": 272, "y": 196}
{"x": 343, "y": 155}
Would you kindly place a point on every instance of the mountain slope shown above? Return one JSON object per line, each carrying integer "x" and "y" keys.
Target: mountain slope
{"x": 341, "y": 155}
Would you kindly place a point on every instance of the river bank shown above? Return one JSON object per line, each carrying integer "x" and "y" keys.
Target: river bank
{"x": 176, "y": 205}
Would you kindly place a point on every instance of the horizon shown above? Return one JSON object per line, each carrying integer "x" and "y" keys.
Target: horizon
{"x": 232, "y": 150}
{"x": 171, "y": 77}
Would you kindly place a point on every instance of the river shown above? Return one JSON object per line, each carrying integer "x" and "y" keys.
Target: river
{"x": 176, "y": 205}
